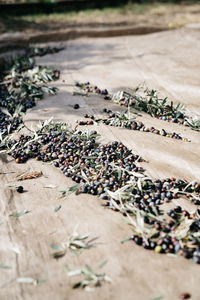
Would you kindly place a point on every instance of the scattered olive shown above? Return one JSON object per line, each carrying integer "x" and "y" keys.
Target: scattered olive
{"x": 185, "y": 296}
{"x": 20, "y": 189}
{"x": 76, "y": 106}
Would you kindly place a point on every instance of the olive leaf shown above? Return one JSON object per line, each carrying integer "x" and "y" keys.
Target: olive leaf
{"x": 91, "y": 279}
{"x": 194, "y": 124}
{"x": 158, "y": 298}
{"x": 50, "y": 186}
{"x": 21, "y": 213}
{"x": 57, "y": 208}
{"x": 3, "y": 266}
{"x": 30, "y": 280}
{"x": 72, "y": 189}
{"x": 182, "y": 230}
{"x": 75, "y": 242}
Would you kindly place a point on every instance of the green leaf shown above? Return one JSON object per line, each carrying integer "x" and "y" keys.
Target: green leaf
{"x": 63, "y": 194}
{"x": 7, "y": 172}
{"x": 89, "y": 268}
{"x": 83, "y": 237}
{"x": 78, "y": 244}
{"x": 21, "y": 213}
{"x": 57, "y": 208}
{"x": 26, "y": 280}
{"x": 158, "y": 298}
{"x": 119, "y": 171}
{"x": 67, "y": 268}
{"x": 74, "y": 273}
{"x": 74, "y": 187}
{"x": 5, "y": 266}
{"x": 102, "y": 264}
{"x": 126, "y": 240}
{"x": 41, "y": 281}
{"x": 54, "y": 246}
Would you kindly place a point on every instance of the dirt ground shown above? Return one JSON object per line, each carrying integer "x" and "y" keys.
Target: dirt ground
{"x": 167, "y": 61}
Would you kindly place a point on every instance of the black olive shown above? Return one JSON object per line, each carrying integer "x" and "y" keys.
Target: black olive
{"x": 76, "y": 106}
{"x": 20, "y": 189}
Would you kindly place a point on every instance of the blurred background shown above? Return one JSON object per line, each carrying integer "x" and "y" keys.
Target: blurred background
{"x": 42, "y": 15}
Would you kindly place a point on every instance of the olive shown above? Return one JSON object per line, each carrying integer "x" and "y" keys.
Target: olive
{"x": 104, "y": 196}
{"x": 185, "y": 296}
{"x": 137, "y": 240}
{"x": 152, "y": 245}
{"x": 20, "y": 189}
{"x": 76, "y": 106}
{"x": 196, "y": 259}
{"x": 107, "y": 98}
{"x": 56, "y": 164}
{"x": 178, "y": 209}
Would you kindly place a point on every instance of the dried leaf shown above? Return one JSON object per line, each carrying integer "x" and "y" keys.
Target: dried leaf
{"x": 29, "y": 175}
{"x": 183, "y": 229}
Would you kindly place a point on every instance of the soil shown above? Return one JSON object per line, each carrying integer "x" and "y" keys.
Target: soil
{"x": 166, "y": 61}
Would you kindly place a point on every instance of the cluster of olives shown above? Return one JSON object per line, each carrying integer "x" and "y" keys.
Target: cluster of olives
{"x": 163, "y": 240}
{"x": 88, "y": 88}
{"x": 8, "y": 124}
{"x": 166, "y": 113}
{"x": 100, "y": 169}
{"x": 121, "y": 120}
{"x": 19, "y": 91}
{"x": 105, "y": 169}
{"x": 11, "y": 101}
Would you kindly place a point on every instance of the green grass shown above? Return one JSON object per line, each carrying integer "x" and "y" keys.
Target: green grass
{"x": 83, "y": 16}
{"x": 122, "y": 10}
{"x": 131, "y": 8}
